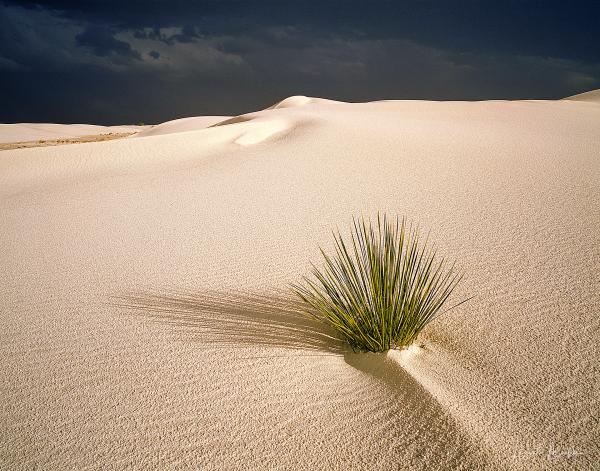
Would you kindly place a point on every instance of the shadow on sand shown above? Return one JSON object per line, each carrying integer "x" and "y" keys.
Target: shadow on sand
{"x": 234, "y": 319}
{"x": 243, "y": 319}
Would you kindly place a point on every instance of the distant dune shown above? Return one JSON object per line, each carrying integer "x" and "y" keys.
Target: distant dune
{"x": 146, "y": 322}
{"x": 23, "y": 132}
{"x": 593, "y": 96}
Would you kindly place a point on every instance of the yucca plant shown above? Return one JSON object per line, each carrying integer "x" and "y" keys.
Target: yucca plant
{"x": 381, "y": 289}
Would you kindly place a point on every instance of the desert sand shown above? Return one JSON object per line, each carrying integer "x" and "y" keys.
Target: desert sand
{"x": 63, "y": 141}
{"x": 194, "y": 123}
{"x": 27, "y": 132}
{"x": 146, "y": 322}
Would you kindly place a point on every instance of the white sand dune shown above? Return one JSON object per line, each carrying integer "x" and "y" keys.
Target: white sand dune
{"x": 143, "y": 323}
{"x": 591, "y": 96}
{"x": 23, "y": 132}
{"x": 300, "y": 100}
{"x": 194, "y": 123}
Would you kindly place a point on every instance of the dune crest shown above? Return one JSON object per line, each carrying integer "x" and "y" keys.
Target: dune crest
{"x": 297, "y": 101}
{"x": 292, "y": 101}
{"x": 592, "y": 96}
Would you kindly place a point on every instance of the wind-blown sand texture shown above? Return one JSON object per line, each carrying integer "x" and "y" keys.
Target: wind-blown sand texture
{"x": 144, "y": 323}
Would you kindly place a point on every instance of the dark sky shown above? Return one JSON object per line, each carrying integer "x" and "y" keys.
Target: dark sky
{"x": 113, "y": 62}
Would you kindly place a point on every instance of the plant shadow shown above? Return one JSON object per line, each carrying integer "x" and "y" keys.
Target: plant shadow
{"x": 229, "y": 320}
{"x": 235, "y": 319}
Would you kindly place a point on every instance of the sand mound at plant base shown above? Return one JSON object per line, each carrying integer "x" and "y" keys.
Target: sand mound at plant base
{"x": 143, "y": 323}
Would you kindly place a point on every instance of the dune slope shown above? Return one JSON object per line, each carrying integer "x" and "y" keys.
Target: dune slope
{"x": 144, "y": 322}
{"x": 194, "y": 123}
{"x": 591, "y": 96}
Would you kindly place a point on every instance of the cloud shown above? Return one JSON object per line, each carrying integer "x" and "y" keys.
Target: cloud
{"x": 102, "y": 42}
{"x": 168, "y": 36}
{"x": 36, "y": 38}
{"x": 552, "y": 28}
{"x": 9, "y": 64}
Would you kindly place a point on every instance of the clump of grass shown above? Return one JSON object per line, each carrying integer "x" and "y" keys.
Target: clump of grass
{"x": 380, "y": 290}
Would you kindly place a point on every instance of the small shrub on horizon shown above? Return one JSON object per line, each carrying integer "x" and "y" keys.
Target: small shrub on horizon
{"x": 380, "y": 290}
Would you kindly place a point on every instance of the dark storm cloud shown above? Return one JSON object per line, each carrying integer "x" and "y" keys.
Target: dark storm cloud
{"x": 110, "y": 62}
{"x": 187, "y": 34}
{"x": 545, "y": 27}
{"x": 102, "y": 42}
